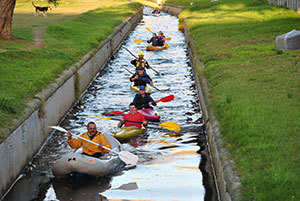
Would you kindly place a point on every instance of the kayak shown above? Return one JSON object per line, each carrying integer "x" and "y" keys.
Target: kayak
{"x": 137, "y": 88}
{"x": 76, "y": 163}
{"x": 151, "y": 48}
{"x": 150, "y": 114}
{"x": 127, "y": 132}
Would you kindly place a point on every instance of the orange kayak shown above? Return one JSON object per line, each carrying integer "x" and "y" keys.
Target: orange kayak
{"x": 152, "y": 48}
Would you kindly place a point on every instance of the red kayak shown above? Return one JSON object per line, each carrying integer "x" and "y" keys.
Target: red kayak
{"x": 150, "y": 114}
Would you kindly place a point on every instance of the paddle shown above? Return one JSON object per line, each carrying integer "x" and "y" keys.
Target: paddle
{"x": 144, "y": 80}
{"x": 160, "y": 74}
{"x": 164, "y": 100}
{"x": 139, "y": 41}
{"x": 167, "y": 46}
{"x": 125, "y": 156}
{"x": 167, "y": 125}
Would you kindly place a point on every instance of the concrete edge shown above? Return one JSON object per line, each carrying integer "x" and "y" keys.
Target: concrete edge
{"x": 31, "y": 130}
{"x": 227, "y": 181}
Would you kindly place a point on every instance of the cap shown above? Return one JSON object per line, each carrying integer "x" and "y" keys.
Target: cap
{"x": 141, "y": 53}
{"x": 142, "y": 87}
{"x": 141, "y": 68}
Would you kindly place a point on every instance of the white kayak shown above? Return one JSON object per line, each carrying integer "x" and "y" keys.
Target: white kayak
{"x": 78, "y": 163}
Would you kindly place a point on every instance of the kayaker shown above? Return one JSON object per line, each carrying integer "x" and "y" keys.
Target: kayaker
{"x": 153, "y": 40}
{"x": 143, "y": 100}
{"x": 161, "y": 38}
{"x": 89, "y": 148}
{"x": 140, "y": 62}
{"x": 133, "y": 115}
{"x": 141, "y": 78}
{"x": 156, "y": 10}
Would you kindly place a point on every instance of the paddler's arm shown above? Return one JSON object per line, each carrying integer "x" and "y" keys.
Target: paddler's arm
{"x": 120, "y": 124}
{"x": 133, "y": 77}
{"x": 75, "y": 144}
{"x": 152, "y": 102}
{"x": 147, "y": 65}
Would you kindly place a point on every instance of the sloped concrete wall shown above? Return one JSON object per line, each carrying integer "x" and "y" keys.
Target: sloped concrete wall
{"x": 49, "y": 106}
{"x": 226, "y": 180}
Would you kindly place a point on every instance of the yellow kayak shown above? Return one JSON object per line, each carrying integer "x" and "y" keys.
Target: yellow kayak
{"x": 137, "y": 88}
{"x": 127, "y": 132}
{"x": 151, "y": 48}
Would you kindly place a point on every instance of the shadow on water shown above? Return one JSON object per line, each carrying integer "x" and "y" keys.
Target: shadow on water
{"x": 168, "y": 166}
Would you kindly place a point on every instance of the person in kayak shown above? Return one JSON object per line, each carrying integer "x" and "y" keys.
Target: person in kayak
{"x": 153, "y": 40}
{"x": 133, "y": 115}
{"x": 89, "y": 148}
{"x": 141, "y": 78}
{"x": 140, "y": 62}
{"x": 161, "y": 37}
{"x": 156, "y": 10}
{"x": 143, "y": 100}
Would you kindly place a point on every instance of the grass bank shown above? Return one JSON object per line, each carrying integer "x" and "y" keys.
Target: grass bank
{"x": 255, "y": 90}
{"x": 69, "y": 32}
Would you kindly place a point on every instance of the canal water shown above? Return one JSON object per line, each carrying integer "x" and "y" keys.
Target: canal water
{"x": 168, "y": 166}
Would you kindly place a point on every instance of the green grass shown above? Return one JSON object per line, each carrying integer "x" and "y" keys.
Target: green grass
{"x": 255, "y": 90}
{"x": 25, "y": 71}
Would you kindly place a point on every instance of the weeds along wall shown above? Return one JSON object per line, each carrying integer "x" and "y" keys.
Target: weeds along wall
{"x": 48, "y": 107}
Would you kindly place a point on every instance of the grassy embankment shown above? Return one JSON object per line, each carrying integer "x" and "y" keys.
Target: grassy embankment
{"x": 69, "y": 32}
{"x": 255, "y": 90}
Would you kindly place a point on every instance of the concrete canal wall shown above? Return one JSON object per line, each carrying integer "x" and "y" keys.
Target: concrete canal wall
{"x": 49, "y": 106}
{"x": 226, "y": 180}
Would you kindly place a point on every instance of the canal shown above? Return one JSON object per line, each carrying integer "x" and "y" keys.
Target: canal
{"x": 168, "y": 166}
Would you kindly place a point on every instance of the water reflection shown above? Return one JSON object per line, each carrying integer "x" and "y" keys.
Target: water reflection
{"x": 168, "y": 162}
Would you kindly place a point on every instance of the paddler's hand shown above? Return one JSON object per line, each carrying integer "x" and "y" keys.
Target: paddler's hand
{"x": 101, "y": 145}
{"x": 69, "y": 135}
{"x": 150, "y": 103}
{"x": 149, "y": 67}
{"x": 122, "y": 121}
{"x": 145, "y": 123}
{"x": 135, "y": 77}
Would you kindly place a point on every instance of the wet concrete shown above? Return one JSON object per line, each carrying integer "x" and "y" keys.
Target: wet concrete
{"x": 169, "y": 162}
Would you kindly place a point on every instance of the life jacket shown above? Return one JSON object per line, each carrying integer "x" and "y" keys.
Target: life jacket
{"x": 140, "y": 63}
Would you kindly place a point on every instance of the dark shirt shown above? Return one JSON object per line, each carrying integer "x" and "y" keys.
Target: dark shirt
{"x": 160, "y": 41}
{"x": 154, "y": 41}
{"x": 141, "y": 80}
{"x": 143, "y": 102}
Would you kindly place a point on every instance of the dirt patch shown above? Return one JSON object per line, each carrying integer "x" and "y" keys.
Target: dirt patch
{"x": 38, "y": 38}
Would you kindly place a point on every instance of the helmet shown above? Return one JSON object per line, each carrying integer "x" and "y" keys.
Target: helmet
{"x": 142, "y": 87}
{"x": 141, "y": 53}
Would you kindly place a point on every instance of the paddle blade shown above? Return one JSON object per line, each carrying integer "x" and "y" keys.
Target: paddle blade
{"x": 59, "y": 128}
{"x": 166, "y": 45}
{"x": 167, "y": 38}
{"x": 166, "y": 99}
{"x": 138, "y": 41}
{"x": 170, "y": 126}
{"x": 106, "y": 118}
{"x": 117, "y": 112}
{"x": 148, "y": 29}
{"x": 128, "y": 157}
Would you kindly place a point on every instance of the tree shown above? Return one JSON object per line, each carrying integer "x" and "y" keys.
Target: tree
{"x": 6, "y": 16}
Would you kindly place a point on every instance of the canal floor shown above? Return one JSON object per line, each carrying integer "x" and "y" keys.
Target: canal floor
{"x": 168, "y": 167}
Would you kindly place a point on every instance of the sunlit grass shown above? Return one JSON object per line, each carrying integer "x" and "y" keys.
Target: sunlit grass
{"x": 255, "y": 90}
{"x": 26, "y": 71}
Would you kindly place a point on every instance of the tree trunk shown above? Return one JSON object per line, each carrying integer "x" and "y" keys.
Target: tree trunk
{"x": 6, "y": 15}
